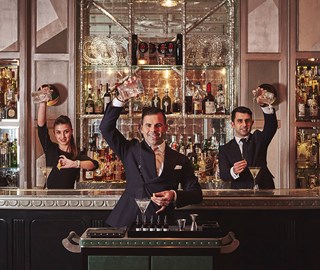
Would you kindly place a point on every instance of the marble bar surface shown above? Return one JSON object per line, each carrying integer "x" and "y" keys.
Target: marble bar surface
{"x": 106, "y": 199}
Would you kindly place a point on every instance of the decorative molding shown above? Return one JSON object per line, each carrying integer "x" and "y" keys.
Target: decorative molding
{"x": 107, "y": 199}
{"x": 58, "y": 203}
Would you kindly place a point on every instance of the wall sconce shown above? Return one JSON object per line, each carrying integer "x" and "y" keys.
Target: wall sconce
{"x": 169, "y": 3}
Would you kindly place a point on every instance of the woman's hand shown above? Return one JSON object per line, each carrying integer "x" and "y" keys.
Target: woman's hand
{"x": 65, "y": 163}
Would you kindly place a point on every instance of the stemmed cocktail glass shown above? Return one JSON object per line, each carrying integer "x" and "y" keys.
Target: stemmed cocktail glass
{"x": 143, "y": 205}
{"x": 254, "y": 172}
{"x": 46, "y": 170}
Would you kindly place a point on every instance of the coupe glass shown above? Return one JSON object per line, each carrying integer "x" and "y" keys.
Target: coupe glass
{"x": 254, "y": 172}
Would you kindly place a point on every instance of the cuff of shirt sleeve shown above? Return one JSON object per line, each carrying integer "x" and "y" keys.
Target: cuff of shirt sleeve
{"x": 267, "y": 110}
{"x": 175, "y": 195}
{"x": 233, "y": 174}
{"x": 117, "y": 102}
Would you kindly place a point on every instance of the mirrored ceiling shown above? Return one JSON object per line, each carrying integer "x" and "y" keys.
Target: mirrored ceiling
{"x": 151, "y": 19}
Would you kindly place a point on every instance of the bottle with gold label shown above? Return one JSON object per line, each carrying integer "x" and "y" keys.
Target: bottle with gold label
{"x": 98, "y": 105}
{"x": 197, "y": 100}
{"x": 89, "y": 105}
{"x": 12, "y": 110}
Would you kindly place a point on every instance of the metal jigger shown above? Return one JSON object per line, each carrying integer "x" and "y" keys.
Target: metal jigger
{"x": 194, "y": 226}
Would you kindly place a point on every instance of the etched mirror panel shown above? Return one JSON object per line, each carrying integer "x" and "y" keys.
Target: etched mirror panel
{"x": 263, "y": 26}
{"x": 9, "y": 26}
{"x": 308, "y": 26}
{"x": 52, "y": 26}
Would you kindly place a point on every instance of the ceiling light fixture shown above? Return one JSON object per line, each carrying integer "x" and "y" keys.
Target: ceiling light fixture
{"x": 169, "y": 3}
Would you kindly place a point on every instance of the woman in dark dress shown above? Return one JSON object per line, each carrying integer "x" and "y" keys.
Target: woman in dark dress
{"x": 62, "y": 155}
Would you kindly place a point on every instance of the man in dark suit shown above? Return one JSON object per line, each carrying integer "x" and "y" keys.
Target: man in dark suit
{"x": 149, "y": 173}
{"x": 248, "y": 149}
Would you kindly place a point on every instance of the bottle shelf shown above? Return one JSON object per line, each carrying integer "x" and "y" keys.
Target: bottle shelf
{"x": 169, "y": 116}
{"x": 149, "y": 67}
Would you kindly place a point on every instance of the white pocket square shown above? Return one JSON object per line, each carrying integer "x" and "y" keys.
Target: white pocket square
{"x": 178, "y": 167}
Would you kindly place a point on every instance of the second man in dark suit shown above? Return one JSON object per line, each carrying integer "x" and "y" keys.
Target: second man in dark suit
{"x": 248, "y": 149}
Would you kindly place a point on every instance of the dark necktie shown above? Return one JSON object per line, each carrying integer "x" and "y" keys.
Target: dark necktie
{"x": 244, "y": 148}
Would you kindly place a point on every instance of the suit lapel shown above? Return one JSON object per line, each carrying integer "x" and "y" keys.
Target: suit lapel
{"x": 148, "y": 164}
{"x": 169, "y": 162}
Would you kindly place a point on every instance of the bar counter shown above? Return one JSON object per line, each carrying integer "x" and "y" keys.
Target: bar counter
{"x": 277, "y": 229}
{"x": 105, "y": 199}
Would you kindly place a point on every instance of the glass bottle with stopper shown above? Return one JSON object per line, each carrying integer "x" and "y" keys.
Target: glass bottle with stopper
{"x": 166, "y": 102}
{"x": 155, "y": 101}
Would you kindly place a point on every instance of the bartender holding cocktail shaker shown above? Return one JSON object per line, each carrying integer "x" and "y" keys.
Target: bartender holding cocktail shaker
{"x": 247, "y": 150}
{"x": 153, "y": 169}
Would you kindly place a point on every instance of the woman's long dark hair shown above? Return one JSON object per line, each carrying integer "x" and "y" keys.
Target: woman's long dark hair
{"x": 63, "y": 119}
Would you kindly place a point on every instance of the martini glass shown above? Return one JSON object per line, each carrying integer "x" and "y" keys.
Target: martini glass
{"x": 143, "y": 205}
{"x": 254, "y": 172}
{"x": 46, "y": 170}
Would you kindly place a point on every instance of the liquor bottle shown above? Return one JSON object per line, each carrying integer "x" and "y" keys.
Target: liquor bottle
{"x": 301, "y": 106}
{"x": 302, "y": 146}
{"x": 11, "y": 110}
{"x": 188, "y": 98}
{"x": 155, "y": 101}
{"x": 314, "y": 152}
{"x": 98, "y": 105}
{"x": 143, "y": 49}
{"x": 134, "y": 49}
{"x": 181, "y": 146}
{"x": 106, "y": 96}
{"x": 14, "y": 154}
{"x": 220, "y": 101}
{"x": 179, "y": 49}
{"x": 313, "y": 103}
{"x": 170, "y": 49}
{"x": 2, "y": 104}
{"x": 173, "y": 143}
{"x": 196, "y": 143}
{"x": 317, "y": 74}
{"x": 195, "y": 164}
{"x": 89, "y": 105}
{"x": 166, "y": 102}
{"x": 197, "y": 100}
{"x": 202, "y": 168}
{"x": 176, "y": 105}
{"x": 189, "y": 147}
{"x": 208, "y": 104}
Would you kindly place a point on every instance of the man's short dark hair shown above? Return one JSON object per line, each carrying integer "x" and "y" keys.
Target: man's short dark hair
{"x": 240, "y": 109}
{"x": 152, "y": 111}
